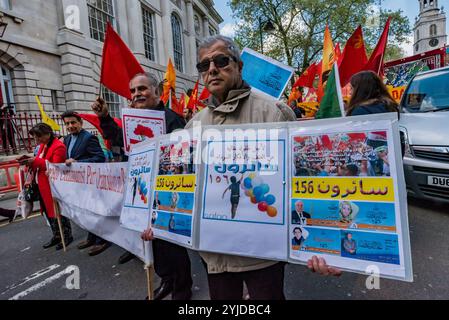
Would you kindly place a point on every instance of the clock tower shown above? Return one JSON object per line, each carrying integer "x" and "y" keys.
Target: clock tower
{"x": 430, "y": 27}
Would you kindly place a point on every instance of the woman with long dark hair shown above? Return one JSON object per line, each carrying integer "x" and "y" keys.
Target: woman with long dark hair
{"x": 53, "y": 151}
{"x": 369, "y": 95}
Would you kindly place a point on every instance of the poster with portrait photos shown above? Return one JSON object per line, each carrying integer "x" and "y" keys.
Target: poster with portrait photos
{"x": 175, "y": 187}
{"x": 346, "y": 203}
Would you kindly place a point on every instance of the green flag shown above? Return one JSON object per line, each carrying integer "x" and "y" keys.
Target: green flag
{"x": 332, "y": 104}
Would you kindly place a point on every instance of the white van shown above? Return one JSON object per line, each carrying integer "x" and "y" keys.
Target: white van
{"x": 424, "y": 123}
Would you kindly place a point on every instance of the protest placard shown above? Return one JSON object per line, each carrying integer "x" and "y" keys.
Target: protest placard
{"x": 91, "y": 195}
{"x": 346, "y": 199}
{"x": 265, "y": 74}
{"x": 140, "y": 125}
{"x": 175, "y": 186}
{"x": 243, "y": 203}
{"x": 91, "y": 184}
{"x": 137, "y": 199}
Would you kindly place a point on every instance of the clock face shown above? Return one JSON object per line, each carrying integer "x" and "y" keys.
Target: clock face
{"x": 433, "y": 42}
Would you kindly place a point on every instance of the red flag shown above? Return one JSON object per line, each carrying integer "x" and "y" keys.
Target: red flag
{"x": 295, "y": 95}
{"x": 193, "y": 101}
{"x": 182, "y": 101}
{"x": 376, "y": 60}
{"x": 176, "y": 106}
{"x": 354, "y": 57}
{"x": 205, "y": 94}
{"x": 119, "y": 65}
{"x": 337, "y": 51}
{"x": 308, "y": 77}
{"x": 95, "y": 121}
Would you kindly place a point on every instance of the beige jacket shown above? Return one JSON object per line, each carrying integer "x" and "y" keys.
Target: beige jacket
{"x": 242, "y": 106}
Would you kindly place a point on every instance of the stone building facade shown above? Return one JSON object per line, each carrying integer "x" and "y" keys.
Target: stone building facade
{"x": 53, "y": 48}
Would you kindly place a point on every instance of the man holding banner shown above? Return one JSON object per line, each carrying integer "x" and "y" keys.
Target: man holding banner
{"x": 171, "y": 262}
{"x": 82, "y": 146}
{"x": 233, "y": 102}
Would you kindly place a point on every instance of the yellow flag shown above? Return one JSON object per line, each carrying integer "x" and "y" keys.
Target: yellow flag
{"x": 170, "y": 75}
{"x": 169, "y": 82}
{"x": 328, "y": 51}
{"x": 327, "y": 62}
{"x": 45, "y": 118}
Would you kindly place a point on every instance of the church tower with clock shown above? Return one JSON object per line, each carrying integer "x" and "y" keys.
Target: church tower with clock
{"x": 430, "y": 27}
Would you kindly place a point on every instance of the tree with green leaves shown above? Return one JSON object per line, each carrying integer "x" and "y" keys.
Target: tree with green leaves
{"x": 297, "y": 36}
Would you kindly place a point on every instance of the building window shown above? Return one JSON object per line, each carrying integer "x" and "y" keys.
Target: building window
{"x": 433, "y": 30}
{"x": 6, "y": 96}
{"x": 100, "y": 12}
{"x": 417, "y": 34}
{"x": 113, "y": 102}
{"x": 5, "y": 4}
{"x": 148, "y": 34}
{"x": 177, "y": 42}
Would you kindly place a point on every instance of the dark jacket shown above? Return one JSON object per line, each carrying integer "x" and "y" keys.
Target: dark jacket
{"x": 296, "y": 219}
{"x": 86, "y": 149}
{"x": 369, "y": 109}
{"x": 113, "y": 133}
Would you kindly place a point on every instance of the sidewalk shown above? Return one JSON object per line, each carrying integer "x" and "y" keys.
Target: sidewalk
{"x": 9, "y": 201}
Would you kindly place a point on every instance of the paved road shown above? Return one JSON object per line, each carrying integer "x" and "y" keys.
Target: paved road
{"x": 30, "y": 272}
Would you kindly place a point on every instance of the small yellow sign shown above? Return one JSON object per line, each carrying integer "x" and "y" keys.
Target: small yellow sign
{"x": 366, "y": 188}
{"x": 181, "y": 183}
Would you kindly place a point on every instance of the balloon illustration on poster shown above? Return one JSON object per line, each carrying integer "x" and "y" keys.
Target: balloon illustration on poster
{"x": 258, "y": 192}
{"x": 143, "y": 190}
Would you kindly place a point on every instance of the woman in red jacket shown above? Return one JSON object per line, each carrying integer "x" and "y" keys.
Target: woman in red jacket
{"x": 53, "y": 151}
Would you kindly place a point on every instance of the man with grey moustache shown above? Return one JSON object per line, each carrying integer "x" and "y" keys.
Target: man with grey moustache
{"x": 171, "y": 262}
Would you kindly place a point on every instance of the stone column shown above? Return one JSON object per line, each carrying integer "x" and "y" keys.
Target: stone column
{"x": 76, "y": 64}
{"x": 206, "y": 27}
{"x": 135, "y": 28}
{"x": 191, "y": 61}
{"x": 165, "y": 37}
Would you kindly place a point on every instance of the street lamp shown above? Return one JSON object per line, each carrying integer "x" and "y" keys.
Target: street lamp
{"x": 266, "y": 26}
{"x": 3, "y": 26}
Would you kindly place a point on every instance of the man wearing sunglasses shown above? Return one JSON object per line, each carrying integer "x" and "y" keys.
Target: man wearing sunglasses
{"x": 233, "y": 102}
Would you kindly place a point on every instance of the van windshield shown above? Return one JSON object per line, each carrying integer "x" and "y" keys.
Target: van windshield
{"x": 428, "y": 93}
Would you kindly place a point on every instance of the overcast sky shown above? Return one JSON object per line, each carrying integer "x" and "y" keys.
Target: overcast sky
{"x": 410, "y": 8}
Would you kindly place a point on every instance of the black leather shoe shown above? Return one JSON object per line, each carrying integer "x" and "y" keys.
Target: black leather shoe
{"x": 99, "y": 248}
{"x": 67, "y": 242}
{"x": 124, "y": 258}
{"x": 54, "y": 241}
{"x": 85, "y": 244}
{"x": 164, "y": 290}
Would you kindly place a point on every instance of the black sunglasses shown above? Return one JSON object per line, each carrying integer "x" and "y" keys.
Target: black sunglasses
{"x": 220, "y": 61}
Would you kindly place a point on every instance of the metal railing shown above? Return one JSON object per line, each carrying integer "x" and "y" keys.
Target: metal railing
{"x": 15, "y": 127}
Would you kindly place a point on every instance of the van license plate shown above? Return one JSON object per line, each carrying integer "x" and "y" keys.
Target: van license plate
{"x": 438, "y": 181}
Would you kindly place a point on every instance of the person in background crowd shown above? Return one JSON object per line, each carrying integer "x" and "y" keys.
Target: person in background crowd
{"x": 53, "y": 151}
{"x": 6, "y": 127}
{"x": 6, "y": 212}
{"x": 82, "y": 146}
{"x": 171, "y": 262}
{"x": 369, "y": 95}
{"x": 233, "y": 102}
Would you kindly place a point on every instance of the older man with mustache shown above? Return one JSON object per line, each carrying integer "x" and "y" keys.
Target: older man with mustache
{"x": 233, "y": 102}
{"x": 172, "y": 263}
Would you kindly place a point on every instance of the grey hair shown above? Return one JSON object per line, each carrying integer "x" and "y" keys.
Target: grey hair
{"x": 210, "y": 41}
{"x": 154, "y": 82}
